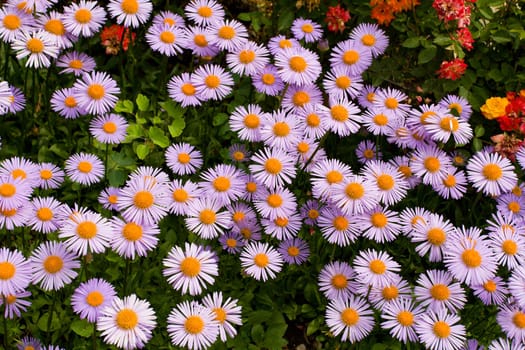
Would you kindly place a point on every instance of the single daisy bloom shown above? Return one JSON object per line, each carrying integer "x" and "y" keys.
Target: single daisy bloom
{"x": 204, "y": 12}
{"x": 457, "y": 105}
{"x": 402, "y": 163}
{"x": 280, "y": 42}
{"x": 130, "y": 238}
{"x": 108, "y": 197}
{"x": 232, "y": 242}
{"x": 17, "y": 100}
{"x": 379, "y": 224}
{"x": 110, "y": 128}
{"x": 143, "y": 200}
{"x": 336, "y": 281}
{"x": 14, "y": 22}
{"x": 64, "y": 103}
{"x": 337, "y": 227}
{"x": 130, "y": 13}
{"x": 206, "y": 218}
{"x": 167, "y": 39}
{"x": 352, "y": 319}
{"x": 268, "y": 81}
{"x": 37, "y": 46}
{"x": 343, "y": 117}
{"x": 190, "y": 270}
{"x": 294, "y": 251}
{"x": 168, "y": 17}
{"x": 307, "y": 30}
{"x": 491, "y": 173}
{"x": 45, "y": 212}
{"x": 14, "y": 192}
{"x": 183, "y": 158}
{"x": 241, "y": 211}
{"x": 511, "y": 318}
{"x": 227, "y": 312}
{"x": 409, "y": 217}
{"x": 314, "y": 126}
{"x": 382, "y": 296}
{"x": 516, "y": 285}
{"x": 390, "y": 183}
{"x": 326, "y": 174}
{"x": 274, "y": 203}
{"x": 19, "y": 167}
{"x": 127, "y": 323}
{"x": 430, "y": 235}
{"x": 53, "y": 266}
{"x": 281, "y": 129}
{"x": 400, "y": 317}
{"x": 192, "y": 325}
{"x": 310, "y": 212}
{"x": 377, "y": 122}
{"x": 247, "y": 122}
{"x": 239, "y": 153}
{"x": 89, "y": 232}
{"x": 340, "y": 83}
{"x": 371, "y": 37}
{"x": 454, "y": 185}
{"x": 14, "y": 217}
{"x": 511, "y": 205}
{"x": 390, "y": 102}
{"x": 90, "y": 297}
{"x": 212, "y": 82}
{"x": 352, "y": 55}
{"x": 504, "y": 344}
{"x": 222, "y": 183}
{"x": 248, "y": 58}
{"x": 77, "y": 63}
{"x": 96, "y": 92}
{"x": 199, "y": 42}
{"x": 469, "y": 257}
{"x": 15, "y": 304}
{"x": 53, "y": 24}
{"x": 27, "y": 342}
{"x": 375, "y": 268}
{"x": 182, "y": 194}
{"x": 355, "y": 195}
{"x": 282, "y": 227}
{"x": 367, "y": 96}
{"x": 442, "y": 126}
{"x": 273, "y": 167}
{"x": 307, "y": 153}
{"x": 84, "y": 168}
{"x": 298, "y": 66}
{"x": 229, "y": 35}
{"x": 436, "y": 290}
{"x": 418, "y": 118}
{"x": 84, "y": 18}
{"x": 15, "y": 272}
{"x": 261, "y": 261}
{"x": 431, "y": 164}
{"x": 297, "y": 97}
{"x": 182, "y": 90}
{"x": 367, "y": 151}
{"x": 50, "y": 176}
{"x": 508, "y": 247}
{"x": 441, "y": 330}
{"x": 492, "y": 292}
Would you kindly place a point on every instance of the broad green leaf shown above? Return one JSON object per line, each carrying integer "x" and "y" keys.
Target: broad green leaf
{"x": 477, "y": 145}
{"x": 158, "y": 137}
{"x": 479, "y": 131}
{"x": 285, "y": 20}
{"x": 82, "y": 328}
{"x": 124, "y": 106}
{"x": 142, "y": 102}
{"x": 44, "y": 320}
{"x": 412, "y": 42}
{"x": 244, "y": 16}
{"x": 172, "y": 108}
{"x": 177, "y": 127}
{"x": 117, "y": 177}
{"x": 219, "y": 119}
{"x": 259, "y": 316}
{"x": 379, "y": 346}
{"x": 442, "y": 40}
{"x": 426, "y": 55}
{"x": 313, "y": 327}
{"x": 58, "y": 151}
{"x": 142, "y": 151}
{"x": 257, "y": 333}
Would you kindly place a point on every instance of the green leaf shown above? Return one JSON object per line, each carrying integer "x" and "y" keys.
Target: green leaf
{"x": 117, "y": 177}
{"x": 58, "y": 151}
{"x": 285, "y": 20}
{"x": 426, "y": 55}
{"x": 442, "y": 40}
{"x": 82, "y": 328}
{"x": 142, "y": 102}
{"x": 124, "y": 106}
{"x": 477, "y": 145}
{"x": 257, "y": 333}
{"x": 379, "y": 346}
{"x": 244, "y": 16}
{"x": 219, "y": 119}
{"x": 259, "y": 316}
{"x": 311, "y": 294}
{"x": 44, "y": 320}
{"x": 313, "y": 327}
{"x": 412, "y": 42}
{"x": 158, "y": 137}
{"x": 479, "y": 131}
{"x": 134, "y": 131}
{"x": 177, "y": 127}
{"x": 172, "y": 109}
{"x": 142, "y": 151}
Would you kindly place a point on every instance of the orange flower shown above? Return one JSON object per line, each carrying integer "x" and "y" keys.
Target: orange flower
{"x": 382, "y": 13}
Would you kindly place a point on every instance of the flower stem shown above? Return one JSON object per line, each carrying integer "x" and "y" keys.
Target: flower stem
{"x": 126, "y": 275}
{"x": 106, "y": 163}
{"x": 5, "y": 324}
{"x": 50, "y": 317}
{"x": 94, "y": 336}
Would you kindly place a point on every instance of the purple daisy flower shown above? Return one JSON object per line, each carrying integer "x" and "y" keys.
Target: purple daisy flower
{"x": 280, "y": 42}
{"x": 297, "y": 97}
{"x": 273, "y": 167}
{"x": 371, "y": 36}
{"x": 51, "y": 176}
{"x": 340, "y": 83}
{"x": 17, "y": 100}
{"x": 294, "y": 251}
{"x": 436, "y": 290}
{"x": 492, "y": 292}
{"x": 441, "y": 330}
{"x": 248, "y": 59}
{"x": 229, "y": 35}
{"x": 400, "y": 317}
{"x": 183, "y": 158}
{"x": 336, "y": 281}
{"x": 352, "y": 319}
{"x": 37, "y": 46}
{"x": 15, "y": 272}
{"x": 279, "y": 202}
{"x": 64, "y": 103}
{"x": 14, "y": 304}
{"x": 261, "y": 261}
{"x": 53, "y": 24}
{"x": 457, "y": 104}
{"x": 182, "y": 194}
{"x": 53, "y": 266}
{"x": 352, "y": 55}
{"x": 183, "y": 91}
{"x": 307, "y": 30}
{"x": 130, "y": 238}
{"x": 232, "y": 242}
{"x": 268, "y": 81}
{"x": 109, "y": 128}
{"x": 375, "y": 268}
{"x": 222, "y": 183}
{"x": 199, "y": 41}
{"x": 491, "y": 173}
{"x": 227, "y": 312}
{"x": 45, "y": 212}
{"x": 130, "y": 13}
{"x": 337, "y": 227}
{"x": 282, "y": 227}
{"x": 13, "y": 22}
{"x": 84, "y": 168}
{"x": 212, "y": 82}
{"x": 204, "y": 12}
{"x": 167, "y": 39}
{"x": 205, "y": 218}
{"x": 84, "y": 18}
{"x": 90, "y": 297}
{"x": 247, "y": 122}
{"x": 298, "y": 66}
{"x": 77, "y": 63}
{"x": 96, "y": 92}
{"x": 14, "y": 192}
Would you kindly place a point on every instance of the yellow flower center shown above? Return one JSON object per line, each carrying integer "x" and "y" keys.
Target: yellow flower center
{"x": 7, "y": 190}
{"x": 8, "y": 212}
{"x": 94, "y": 298}
{"x": 307, "y": 28}
{"x": 385, "y": 182}
{"x": 112, "y": 199}
{"x": 456, "y": 106}
{"x": 405, "y": 318}
{"x": 143, "y": 199}
{"x": 55, "y": 26}
{"x": 350, "y": 57}
{"x": 183, "y": 158}
{"x": 340, "y": 223}
{"x": 509, "y": 247}
{"x": 293, "y": 251}
{"x": 298, "y": 64}
{"x": 238, "y": 216}
{"x": 368, "y": 40}
{"x": 96, "y": 91}
{"x": 313, "y": 120}
{"x": 471, "y": 258}
{"x": 127, "y": 319}
{"x": 87, "y": 229}
{"x": 273, "y": 166}
{"x": 190, "y": 266}
{"x": 19, "y": 173}
{"x": 180, "y": 195}
{"x": 212, "y": 81}
{"x": 300, "y": 98}
{"x": 281, "y": 129}
{"x": 519, "y": 319}
{"x": 53, "y": 264}
{"x": 281, "y": 222}
{"x": 70, "y": 102}
{"x": 339, "y": 281}
{"x": 380, "y": 119}
{"x": 405, "y": 170}
{"x": 339, "y": 113}
{"x": 514, "y": 206}
{"x": 349, "y": 316}
{"x": 10, "y": 299}
{"x": 44, "y": 214}
{"x": 246, "y": 233}
{"x": 370, "y": 97}
{"x": 167, "y": 37}
{"x": 449, "y": 181}
{"x": 169, "y": 21}
{"x": 439, "y": 291}
{"x": 207, "y": 216}
{"x": 200, "y": 40}
{"x": 368, "y": 154}
{"x": 432, "y": 164}
{"x": 424, "y": 116}
{"x": 132, "y": 231}
{"x": 268, "y": 79}
{"x": 7, "y": 270}
{"x": 379, "y": 220}
{"x": 12, "y": 22}
{"x": 246, "y": 56}
{"x": 109, "y": 127}
{"x": 490, "y": 286}
{"x": 46, "y": 174}
{"x": 35, "y": 45}
{"x": 441, "y": 329}
{"x": 84, "y": 167}
{"x": 130, "y": 6}
{"x": 194, "y": 324}
{"x": 313, "y": 214}
{"x": 251, "y": 187}
{"x": 377, "y": 266}
{"x": 449, "y": 124}
{"x": 390, "y": 292}
{"x": 75, "y": 64}
{"x": 251, "y": 121}
{"x": 274, "y": 200}
{"x": 436, "y": 236}
{"x": 354, "y": 190}
{"x": 83, "y": 15}
{"x": 221, "y": 184}
{"x": 391, "y": 103}
{"x": 492, "y": 172}
{"x": 232, "y": 243}
{"x": 261, "y": 260}
{"x": 188, "y": 89}
{"x": 226, "y": 33}
{"x": 285, "y": 44}
{"x": 205, "y": 11}
{"x": 220, "y": 314}
{"x": 303, "y": 147}
{"x": 343, "y": 82}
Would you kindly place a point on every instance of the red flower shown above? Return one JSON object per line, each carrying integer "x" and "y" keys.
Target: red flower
{"x": 450, "y": 10}
{"x": 507, "y": 123}
{"x": 336, "y": 17}
{"x": 452, "y": 69}
{"x": 111, "y": 38}
{"x": 465, "y": 39}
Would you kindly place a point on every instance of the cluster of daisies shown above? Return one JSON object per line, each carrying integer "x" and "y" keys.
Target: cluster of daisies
{"x": 249, "y": 205}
